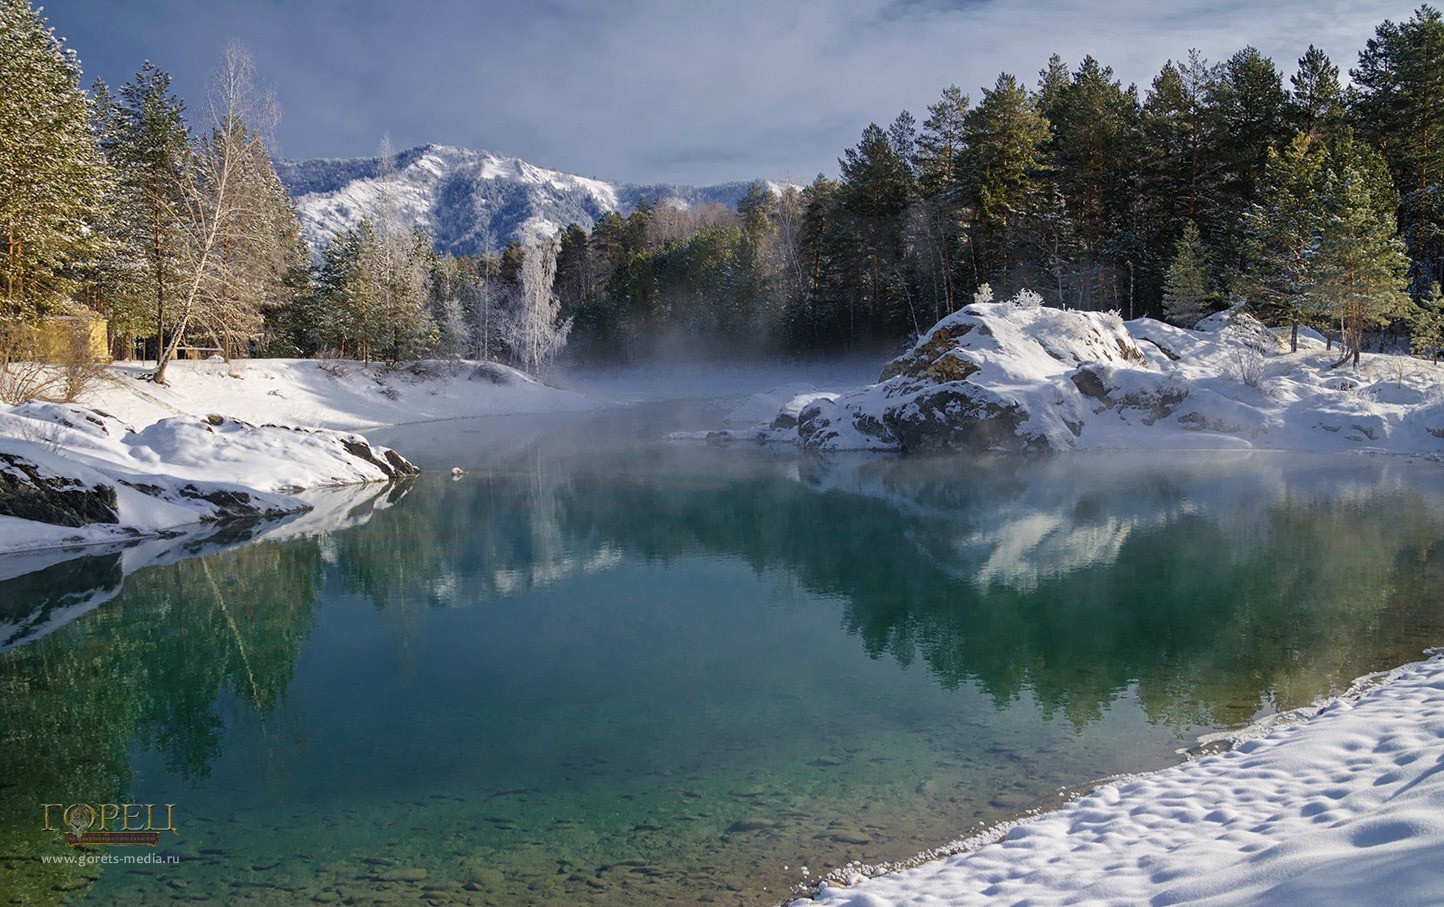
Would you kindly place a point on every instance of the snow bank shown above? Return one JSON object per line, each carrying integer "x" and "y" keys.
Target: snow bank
{"x": 71, "y": 476}
{"x": 339, "y": 394}
{"x": 1346, "y": 807}
{"x": 1019, "y": 376}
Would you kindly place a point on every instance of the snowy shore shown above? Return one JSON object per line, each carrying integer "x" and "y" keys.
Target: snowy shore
{"x": 1341, "y": 805}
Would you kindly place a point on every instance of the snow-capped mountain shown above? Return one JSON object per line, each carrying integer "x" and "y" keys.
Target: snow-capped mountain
{"x": 468, "y": 201}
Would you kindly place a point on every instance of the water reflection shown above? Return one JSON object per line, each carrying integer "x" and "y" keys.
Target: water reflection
{"x": 1204, "y": 589}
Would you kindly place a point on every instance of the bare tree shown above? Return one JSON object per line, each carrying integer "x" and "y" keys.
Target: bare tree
{"x": 219, "y": 208}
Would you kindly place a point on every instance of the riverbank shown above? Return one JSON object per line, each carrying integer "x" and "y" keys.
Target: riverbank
{"x": 1341, "y": 804}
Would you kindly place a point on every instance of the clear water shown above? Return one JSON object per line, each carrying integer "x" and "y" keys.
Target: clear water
{"x": 604, "y": 669}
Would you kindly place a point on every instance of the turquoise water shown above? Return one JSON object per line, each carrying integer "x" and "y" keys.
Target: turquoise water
{"x": 604, "y": 669}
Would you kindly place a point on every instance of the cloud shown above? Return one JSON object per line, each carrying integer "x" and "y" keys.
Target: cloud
{"x": 656, "y": 90}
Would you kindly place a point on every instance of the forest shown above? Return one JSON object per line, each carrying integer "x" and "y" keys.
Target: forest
{"x": 1315, "y": 200}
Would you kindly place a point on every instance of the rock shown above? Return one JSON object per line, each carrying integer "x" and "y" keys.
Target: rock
{"x": 1007, "y": 376}
{"x": 28, "y": 492}
{"x": 403, "y": 875}
{"x": 390, "y": 462}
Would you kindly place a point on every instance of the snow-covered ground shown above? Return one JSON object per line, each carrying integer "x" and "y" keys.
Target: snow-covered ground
{"x": 339, "y": 394}
{"x": 1345, "y": 807}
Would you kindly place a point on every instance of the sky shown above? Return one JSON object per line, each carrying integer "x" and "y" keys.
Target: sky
{"x": 686, "y": 91}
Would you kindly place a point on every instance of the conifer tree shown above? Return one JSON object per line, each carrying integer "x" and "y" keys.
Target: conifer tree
{"x": 151, "y": 152}
{"x": 1400, "y": 93}
{"x": 1187, "y": 290}
{"x": 940, "y": 143}
{"x": 876, "y": 187}
{"x": 1005, "y": 135}
{"x": 1427, "y": 325}
{"x": 1362, "y": 264}
{"x": 1249, "y": 101}
{"x": 53, "y": 178}
{"x": 1316, "y": 104}
{"x": 1280, "y": 237}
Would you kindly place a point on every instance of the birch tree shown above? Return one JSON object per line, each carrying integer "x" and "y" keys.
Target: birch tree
{"x": 537, "y": 332}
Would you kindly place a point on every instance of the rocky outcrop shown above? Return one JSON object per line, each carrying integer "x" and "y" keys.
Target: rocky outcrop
{"x": 63, "y": 466}
{"x": 30, "y": 492}
{"x": 993, "y": 376}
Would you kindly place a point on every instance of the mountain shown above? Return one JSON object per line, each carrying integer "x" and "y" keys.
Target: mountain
{"x": 469, "y": 201}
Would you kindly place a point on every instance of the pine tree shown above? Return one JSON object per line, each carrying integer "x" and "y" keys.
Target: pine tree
{"x": 1187, "y": 291}
{"x": 1005, "y": 137}
{"x": 1180, "y": 170}
{"x": 1249, "y": 101}
{"x": 1400, "y": 92}
{"x": 1362, "y": 264}
{"x": 876, "y": 188}
{"x": 151, "y": 151}
{"x": 114, "y": 284}
{"x": 53, "y": 178}
{"x": 1280, "y": 237}
{"x": 1093, "y": 160}
{"x": 940, "y": 144}
{"x": 1316, "y": 104}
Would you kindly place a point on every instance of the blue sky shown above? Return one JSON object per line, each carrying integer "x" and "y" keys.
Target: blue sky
{"x": 662, "y": 90}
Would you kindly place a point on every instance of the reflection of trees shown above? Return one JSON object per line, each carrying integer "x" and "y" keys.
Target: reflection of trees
{"x": 1208, "y": 594}
{"x": 150, "y": 666}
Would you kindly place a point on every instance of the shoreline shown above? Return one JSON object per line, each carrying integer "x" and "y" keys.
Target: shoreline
{"x": 854, "y": 884}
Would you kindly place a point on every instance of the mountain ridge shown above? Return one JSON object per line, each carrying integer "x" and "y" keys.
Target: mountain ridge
{"x": 470, "y": 201}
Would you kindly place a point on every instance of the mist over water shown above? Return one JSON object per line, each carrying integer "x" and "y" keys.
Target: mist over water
{"x": 607, "y": 669}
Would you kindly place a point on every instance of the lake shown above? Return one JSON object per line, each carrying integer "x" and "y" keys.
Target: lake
{"x": 601, "y": 668}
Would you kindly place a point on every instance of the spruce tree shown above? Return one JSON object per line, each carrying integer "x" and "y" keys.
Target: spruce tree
{"x": 1426, "y": 326}
{"x": 53, "y": 178}
{"x": 1187, "y": 290}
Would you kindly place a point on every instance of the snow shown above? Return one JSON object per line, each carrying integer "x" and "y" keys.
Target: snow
{"x": 1088, "y": 380}
{"x": 469, "y": 202}
{"x": 338, "y": 394}
{"x": 174, "y": 473}
{"x": 1341, "y": 806}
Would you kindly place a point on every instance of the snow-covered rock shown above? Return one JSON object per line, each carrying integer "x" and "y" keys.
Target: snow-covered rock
{"x": 1017, "y": 376}
{"x": 70, "y": 476}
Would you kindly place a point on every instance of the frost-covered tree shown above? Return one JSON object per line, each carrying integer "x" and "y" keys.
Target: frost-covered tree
{"x": 229, "y": 208}
{"x": 1188, "y": 290}
{"x": 53, "y": 177}
{"x": 537, "y": 332}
